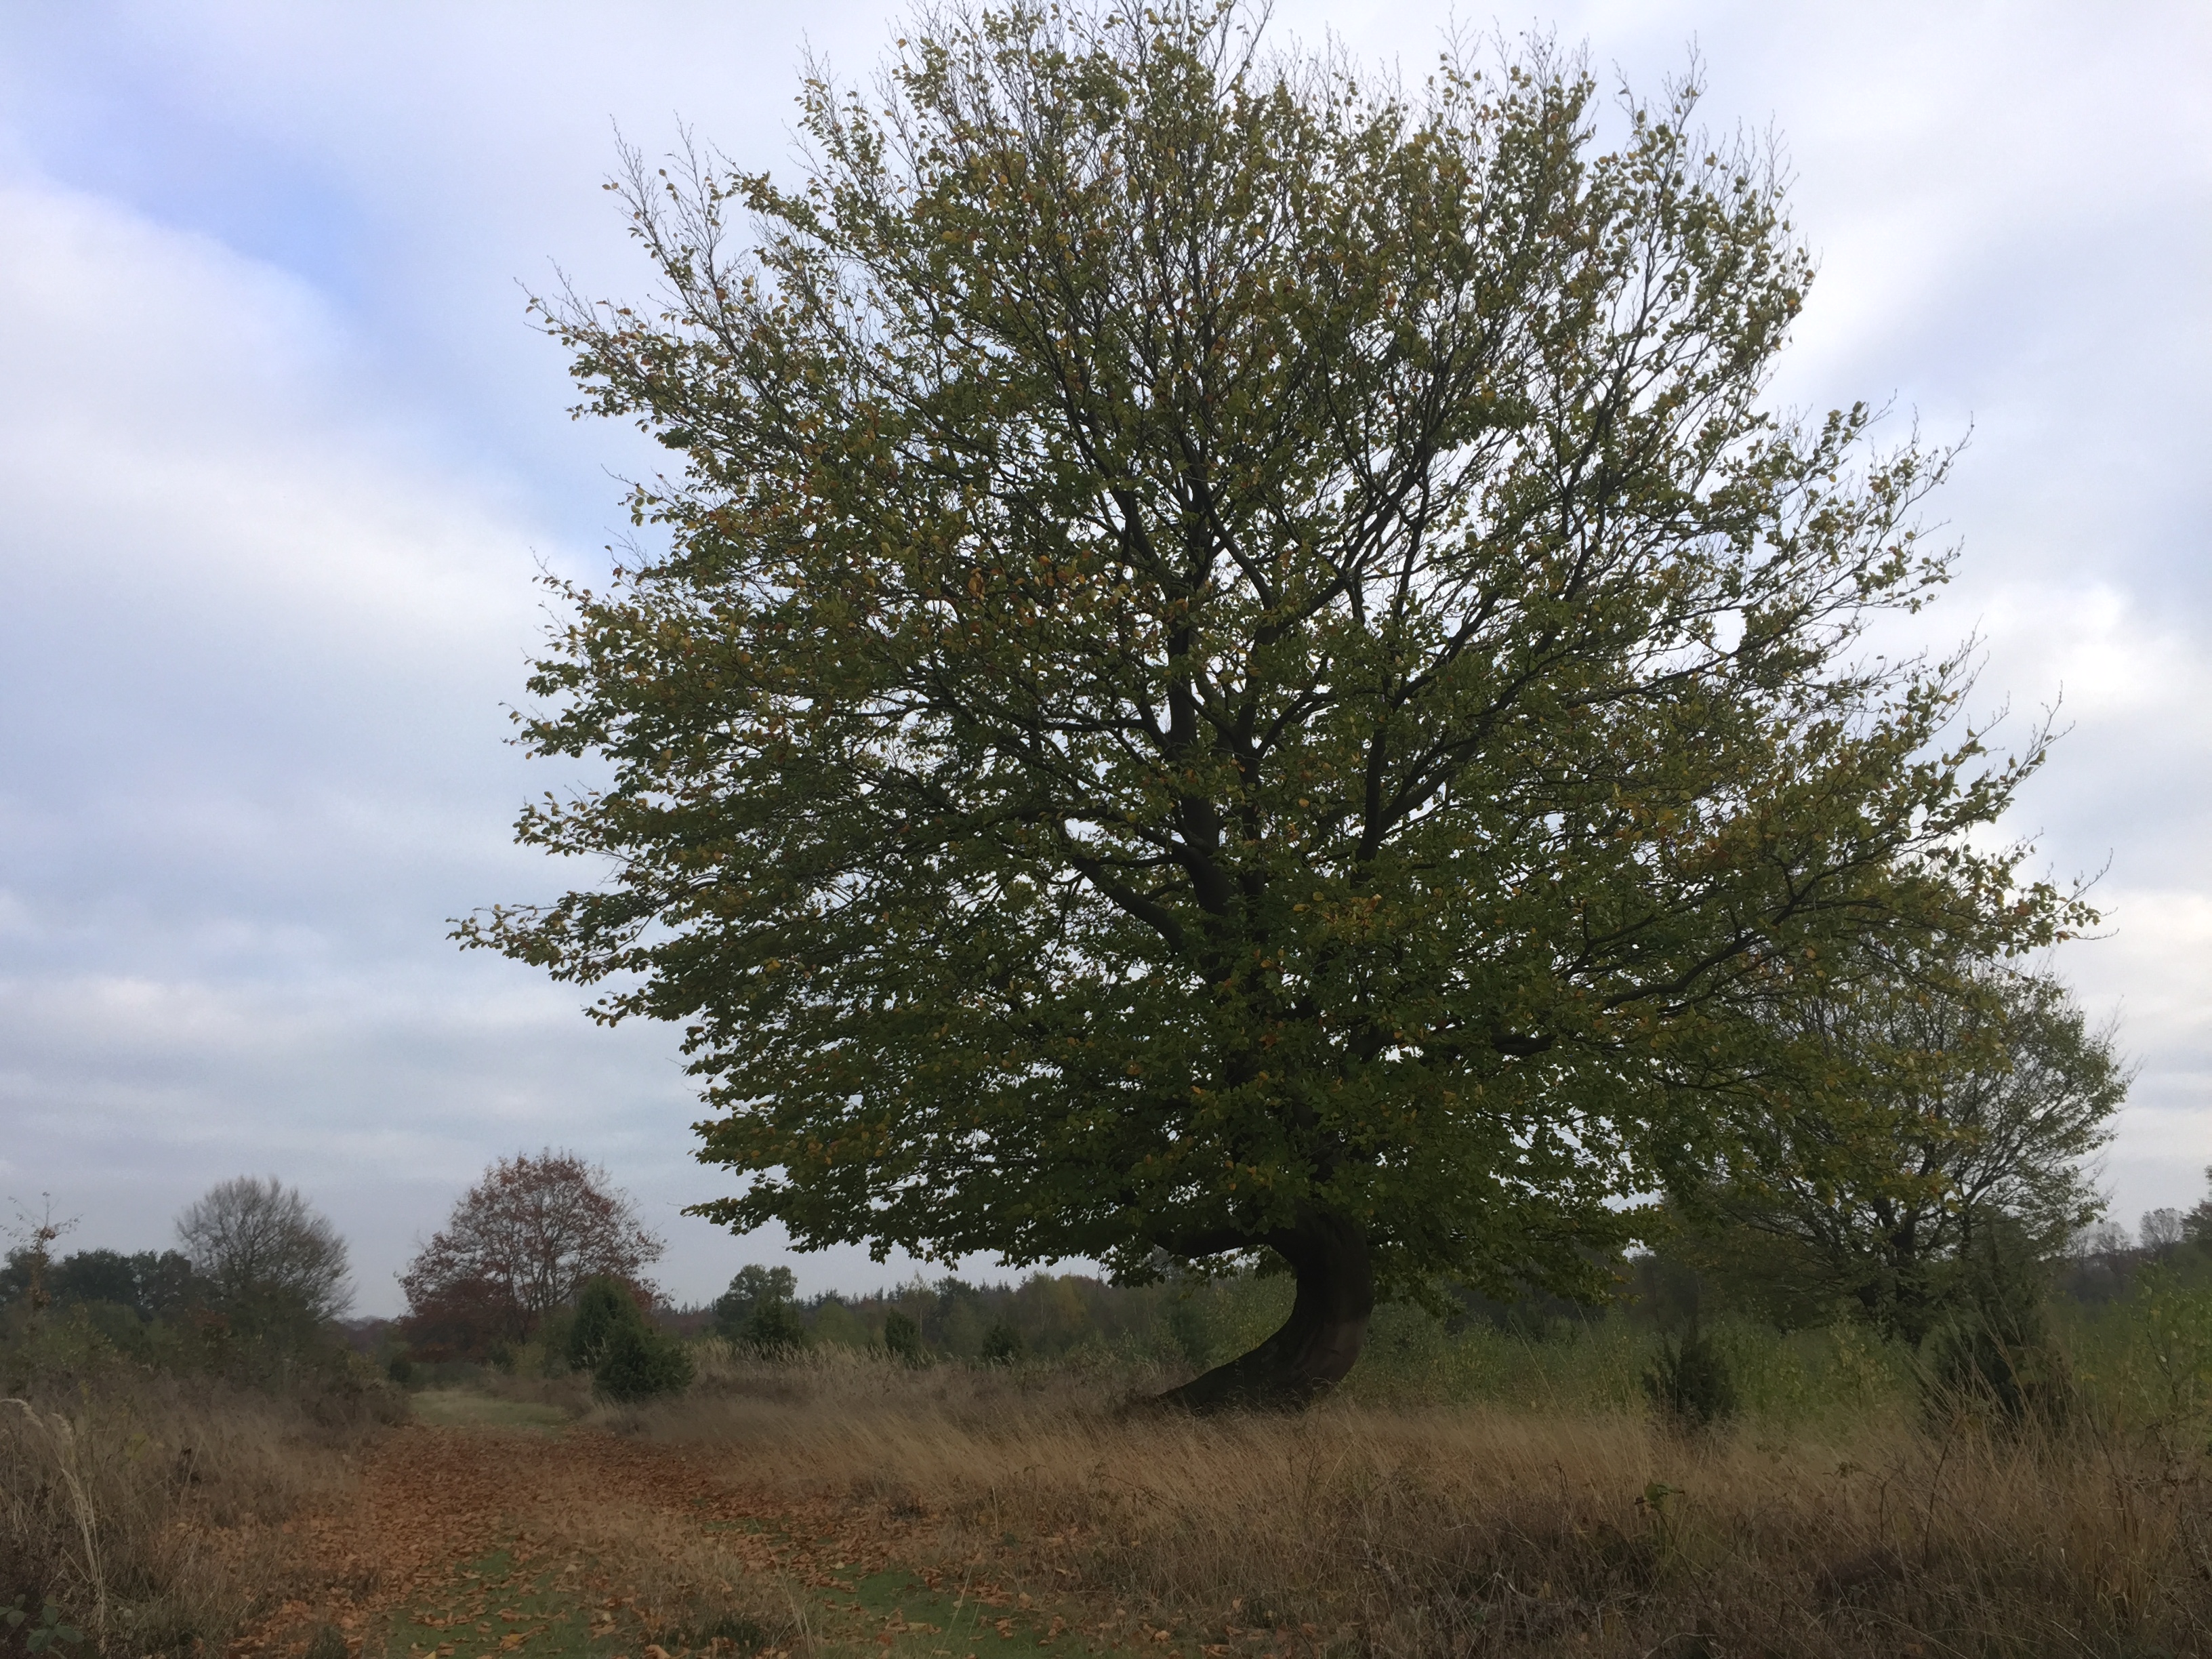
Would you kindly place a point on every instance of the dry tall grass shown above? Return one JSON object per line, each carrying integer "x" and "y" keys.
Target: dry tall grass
{"x": 150, "y": 1507}
{"x": 1472, "y": 1529}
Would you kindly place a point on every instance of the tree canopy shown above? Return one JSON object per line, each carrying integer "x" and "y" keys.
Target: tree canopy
{"x": 1921, "y": 1123}
{"x": 1236, "y": 665}
{"x": 754, "y": 1287}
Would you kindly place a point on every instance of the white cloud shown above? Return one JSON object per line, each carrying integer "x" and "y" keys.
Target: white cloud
{"x": 252, "y": 671}
{"x": 2114, "y": 664}
{"x": 179, "y": 432}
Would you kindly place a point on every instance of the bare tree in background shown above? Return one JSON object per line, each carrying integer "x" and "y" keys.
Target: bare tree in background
{"x": 518, "y": 1245}
{"x": 2103, "y": 1238}
{"x": 2162, "y": 1230}
{"x": 263, "y": 1249}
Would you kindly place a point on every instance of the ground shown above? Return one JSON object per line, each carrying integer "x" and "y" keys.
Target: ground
{"x": 491, "y": 1527}
{"x": 847, "y": 1508}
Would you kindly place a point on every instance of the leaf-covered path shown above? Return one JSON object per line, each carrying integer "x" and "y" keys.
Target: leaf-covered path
{"x": 463, "y": 1543}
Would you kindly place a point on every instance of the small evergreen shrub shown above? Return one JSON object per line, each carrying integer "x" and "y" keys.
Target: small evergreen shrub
{"x": 1688, "y": 1381}
{"x": 902, "y": 1337}
{"x": 774, "y": 1328}
{"x": 1995, "y": 1355}
{"x": 629, "y": 1360}
{"x": 640, "y": 1363}
{"x": 604, "y": 1307}
{"x": 1002, "y": 1344}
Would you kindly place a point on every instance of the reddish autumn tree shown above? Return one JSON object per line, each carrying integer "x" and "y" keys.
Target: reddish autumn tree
{"x": 518, "y": 1245}
{"x": 463, "y": 1319}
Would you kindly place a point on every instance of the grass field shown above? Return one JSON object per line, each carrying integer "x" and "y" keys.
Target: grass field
{"x": 1468, "y": 1494}
{"x": 1405, "y": 1529}
{"x": 469, "y": 1408}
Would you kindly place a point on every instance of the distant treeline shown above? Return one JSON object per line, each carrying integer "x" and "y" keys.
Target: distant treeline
{"x": 139, "y": 1300}
{"x": 210, "y": 1305}
{"x": 1049, "y": 1314}
{"x": 255, "y": 1295}
{"x": 148, "y": 1285}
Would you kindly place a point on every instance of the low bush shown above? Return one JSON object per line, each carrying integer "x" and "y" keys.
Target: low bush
{"x": 603, "y": 1306}
{"x": 1689, "y": 1381}
{"x": 774, "y": 1327}
{"x": 629, "y": 1360}
{"x": 639, "y": 1364}
{"x": 903, "y": 1338}
{"x": 1995, "y": 1355}
{"x": 1002, "y": 1344}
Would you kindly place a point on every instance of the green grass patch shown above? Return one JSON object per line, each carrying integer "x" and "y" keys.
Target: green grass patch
{"x": 463, "y": 1408}
{"x": 934, "y": 1623}
{"x": 502, "y": 1606}
{"x": 497, "y": 1606}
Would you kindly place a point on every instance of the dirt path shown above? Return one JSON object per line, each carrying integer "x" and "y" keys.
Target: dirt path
{"x": 467, "y": 1542}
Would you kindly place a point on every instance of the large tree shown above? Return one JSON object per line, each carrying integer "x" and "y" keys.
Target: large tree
{"x": 1236, "y": 669}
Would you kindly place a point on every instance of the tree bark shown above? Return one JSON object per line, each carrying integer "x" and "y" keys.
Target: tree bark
{"x": 1318, "y": 1342}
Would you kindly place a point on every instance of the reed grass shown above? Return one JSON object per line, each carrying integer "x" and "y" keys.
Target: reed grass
{"x": 150, "y": 1506}
{"x": 1380, "y": 1524}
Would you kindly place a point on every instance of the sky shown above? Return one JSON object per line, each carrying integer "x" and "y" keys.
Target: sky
{"x": 281, "y": 458}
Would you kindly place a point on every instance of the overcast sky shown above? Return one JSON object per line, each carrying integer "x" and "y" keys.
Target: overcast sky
{"x": 280, "y": 457}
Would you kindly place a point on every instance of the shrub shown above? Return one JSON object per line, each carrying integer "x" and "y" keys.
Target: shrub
{"x": 629, "y": 1360}
{"x": 1995, "y": 1354}
{"x": 902, "y": 1337}
{"x": 1002, "y": 1344}
{"x": 603, "y": 1306}
{"x": 1689, "y": 1381}
{"x": 640, "y": 1363}
{"x": 775, "y": 1327}
{"x": 2172, "y": 1322}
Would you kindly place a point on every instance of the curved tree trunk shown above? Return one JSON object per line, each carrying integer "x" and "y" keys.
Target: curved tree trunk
{"x": 1318, "y": 1343}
